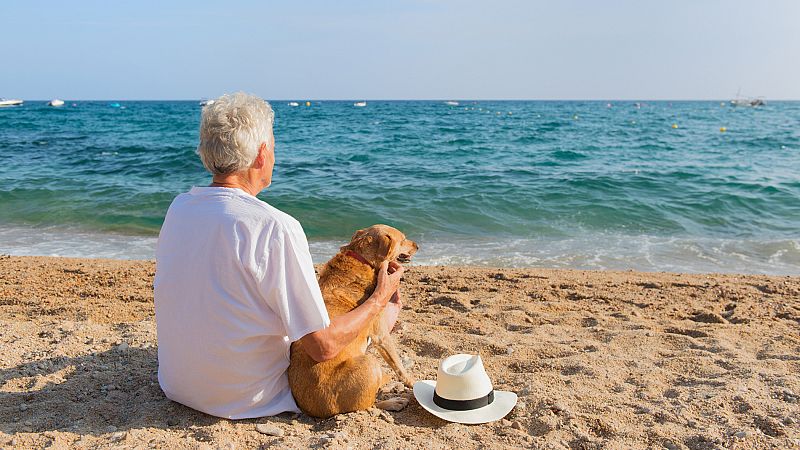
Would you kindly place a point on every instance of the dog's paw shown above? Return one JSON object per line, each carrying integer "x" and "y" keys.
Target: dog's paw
{"x": 392, "y": 387}
{"x": 392, "y": 404}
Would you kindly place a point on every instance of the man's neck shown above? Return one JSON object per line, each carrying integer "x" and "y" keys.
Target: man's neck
{"x": 235, "y": 181}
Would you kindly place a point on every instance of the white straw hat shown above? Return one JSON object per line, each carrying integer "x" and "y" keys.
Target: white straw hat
{"x": 463, "y": 392}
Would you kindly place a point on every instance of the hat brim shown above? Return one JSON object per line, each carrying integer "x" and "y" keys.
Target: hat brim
{"x": 503, "y": 404}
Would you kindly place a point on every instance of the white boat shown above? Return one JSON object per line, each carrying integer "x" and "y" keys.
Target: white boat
{"x": 451, "y": 103}
{"x": 752, "y": 102}
{"x": 748, "y": 101}
{"x": 293, "y": 104}
{"x": 55, "y": 102}
{"x": 9, "y": 102}
{"x": 362, "y": 104}
{"x": 207, "y": 102}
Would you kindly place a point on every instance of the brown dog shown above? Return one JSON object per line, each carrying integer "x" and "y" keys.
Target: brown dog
{"x": 350, "y": 381}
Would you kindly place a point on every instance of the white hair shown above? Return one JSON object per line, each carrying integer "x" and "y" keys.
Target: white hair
{"x": 231, "y": 131}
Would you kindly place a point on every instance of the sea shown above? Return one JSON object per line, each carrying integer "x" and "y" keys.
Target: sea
{"x": 679, "y": 186}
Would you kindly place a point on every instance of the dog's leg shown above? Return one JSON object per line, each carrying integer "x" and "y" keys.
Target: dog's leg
{"x": 355, "y": 385}
{"x": 389, "y": 354}
{"x": 385, "y": 345}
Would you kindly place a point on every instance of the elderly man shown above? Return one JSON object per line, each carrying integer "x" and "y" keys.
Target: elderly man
{"x": 235, "y": 285}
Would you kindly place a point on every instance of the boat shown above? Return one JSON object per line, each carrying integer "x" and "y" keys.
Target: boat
{"x": 10, "y": 102}
{"x": 55, "y": 102}
{"x": 361, "y": 104}
{"x": 752, "y": 102}
{"x": 207, "y": 102}
{"x": 451, "y": 103}
{"x": 293, "y": 104}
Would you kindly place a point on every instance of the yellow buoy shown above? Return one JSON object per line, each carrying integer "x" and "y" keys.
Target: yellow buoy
{"x": 308, "y": 103}
{"x": 674, "y": 125}
{"x": 723, "y": 129}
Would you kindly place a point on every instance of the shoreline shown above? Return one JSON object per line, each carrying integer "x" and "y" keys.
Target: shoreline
{"x": 775, "y": 257}
{"x": 412, "y": 265}
{"x": 619, "y": 359}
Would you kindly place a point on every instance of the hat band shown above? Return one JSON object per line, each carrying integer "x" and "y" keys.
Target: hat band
{"x": 463, "y": 405}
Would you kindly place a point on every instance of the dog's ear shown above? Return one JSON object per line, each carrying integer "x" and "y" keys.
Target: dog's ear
{"x": 387, "y": 244}
{"x": 360, "y": 241}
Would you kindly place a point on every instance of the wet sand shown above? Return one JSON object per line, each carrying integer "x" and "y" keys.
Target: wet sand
{"x": 599, "y": 360}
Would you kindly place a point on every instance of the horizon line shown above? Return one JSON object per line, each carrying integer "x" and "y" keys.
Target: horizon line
{"x": 423, "y": 99}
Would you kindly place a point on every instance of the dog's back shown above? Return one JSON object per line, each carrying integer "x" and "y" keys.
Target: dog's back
{"x": 345, "y": 283}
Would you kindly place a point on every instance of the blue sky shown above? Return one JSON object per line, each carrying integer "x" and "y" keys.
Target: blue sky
{"x": 415, "y": 49}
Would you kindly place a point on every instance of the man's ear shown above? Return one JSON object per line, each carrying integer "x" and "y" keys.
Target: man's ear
{"x": 261, "y": 156}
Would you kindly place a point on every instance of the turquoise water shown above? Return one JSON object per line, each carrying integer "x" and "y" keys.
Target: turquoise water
{"x": 553, "y": 184}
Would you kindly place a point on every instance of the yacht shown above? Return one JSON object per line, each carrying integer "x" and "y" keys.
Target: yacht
{"x": 747, "y": 101}
{"x": 207, "y": 102}
{"x": 451, "y": 103}
{"x": 293, "y": 104}
{"x": 361, "y": 104}
{"x": 55, "y": 102}
{"x": 10, "y": 102}
{"x": 753, "y": 102}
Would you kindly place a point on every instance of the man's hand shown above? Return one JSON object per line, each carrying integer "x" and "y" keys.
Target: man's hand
{"x": 389, "y": 276}
{"x": 326, "y": 343}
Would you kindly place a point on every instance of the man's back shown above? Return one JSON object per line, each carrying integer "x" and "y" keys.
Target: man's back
{"x": 234, "y": 286}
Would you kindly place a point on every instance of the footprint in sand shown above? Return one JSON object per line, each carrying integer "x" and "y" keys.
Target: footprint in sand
{"x": 689, "y": 333}
{"x": 450, "y": 302}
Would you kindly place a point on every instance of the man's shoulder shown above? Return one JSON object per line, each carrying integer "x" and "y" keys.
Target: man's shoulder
{"x": 266, "y": 215}
{"x": 239, "y": 206}
{"x": 279, "y": 217}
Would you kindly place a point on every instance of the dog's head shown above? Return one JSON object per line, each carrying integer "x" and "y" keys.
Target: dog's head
{"x": 380, "y": 243}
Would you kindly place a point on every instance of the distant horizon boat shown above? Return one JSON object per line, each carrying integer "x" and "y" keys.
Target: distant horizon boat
{"x": 360, "y": 104}
{"x": 207, "y": 102}
{"x": 55, "y": 102}
{"x": 752, "y": 102}
{"x": 451, "y": 103}
{"x": 4, "y": 102}
{"x": 293, "y": 104}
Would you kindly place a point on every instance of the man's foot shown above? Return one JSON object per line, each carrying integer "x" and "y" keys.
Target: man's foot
{"x": 392, "y": 404}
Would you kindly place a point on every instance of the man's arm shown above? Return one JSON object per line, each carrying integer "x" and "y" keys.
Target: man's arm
{"x": 325, "y": 344}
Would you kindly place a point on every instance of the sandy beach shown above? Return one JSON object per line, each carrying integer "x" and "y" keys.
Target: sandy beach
{"x": 599, "y": 360}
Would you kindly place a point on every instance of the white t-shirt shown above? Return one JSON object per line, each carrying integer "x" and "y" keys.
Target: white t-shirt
{"x": 234, "y": 286}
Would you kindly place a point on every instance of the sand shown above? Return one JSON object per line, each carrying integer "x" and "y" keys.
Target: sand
{"x": 599, "y": 360}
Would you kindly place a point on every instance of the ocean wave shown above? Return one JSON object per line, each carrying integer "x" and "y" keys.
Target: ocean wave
{"x": 567, "y": 155}
{"x": 586, "y": 252}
